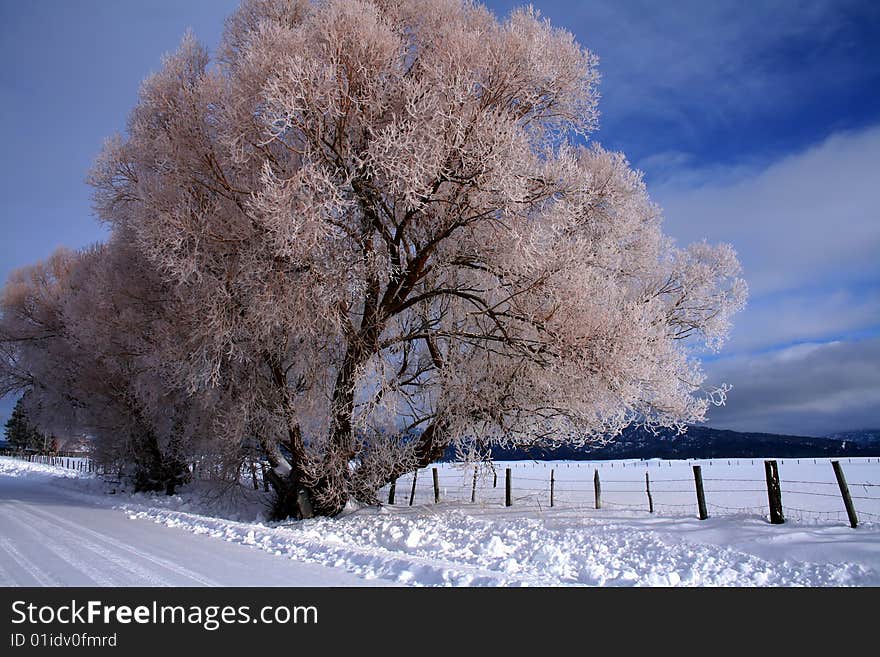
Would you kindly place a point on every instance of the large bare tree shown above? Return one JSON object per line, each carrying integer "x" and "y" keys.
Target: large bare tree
{"x": 391, "y": 236}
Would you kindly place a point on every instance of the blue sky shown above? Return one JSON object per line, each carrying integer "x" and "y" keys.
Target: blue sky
{"x": 755, "y": 123}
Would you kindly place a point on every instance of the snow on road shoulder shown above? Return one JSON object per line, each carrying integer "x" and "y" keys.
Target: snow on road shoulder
{"x": 458, "y": 544}
{"x": 207, "y": 498}
{"x": 10, "y": 467}
{"x": 456, "y": 547}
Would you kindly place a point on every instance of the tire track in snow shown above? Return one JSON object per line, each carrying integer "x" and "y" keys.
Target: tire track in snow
{"x": 5, "y": 577}
{"x": 121, "y": 562}
{"x": 43, "y": 579}
{"x": 59, "y": 549}
{"x": 119, "y": 545}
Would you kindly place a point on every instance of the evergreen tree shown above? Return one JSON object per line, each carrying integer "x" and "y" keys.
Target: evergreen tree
{"x": 20, "y": 433}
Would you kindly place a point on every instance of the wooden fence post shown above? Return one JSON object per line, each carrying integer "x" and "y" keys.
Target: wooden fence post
{"x": 774, "y": 492}
{"x": 844, "y": 492}
{"x": 701, "y": 494}
{"x": 474, "y": 487}
{"x": 412, "y": 493}
{"x": 494, "y": 477}
{"x": 436, "y": 486}
{"x": 391, "y": 491}
{"x": 648, "y": 488}
{"x": 552, "y": 485}
{"x": 508, "y": 498}
{"x": 597, "y": 488}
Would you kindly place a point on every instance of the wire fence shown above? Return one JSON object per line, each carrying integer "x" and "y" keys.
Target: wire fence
{"x": 652, "y": 489}
{"x": 569, "y": 486}
{"x": 67, "y": 460}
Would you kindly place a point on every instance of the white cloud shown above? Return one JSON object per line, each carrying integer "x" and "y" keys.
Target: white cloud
{"x": 803, "y": 316}
{"x": 807, "y": 229}
{"x": 812, "y": 218}
{"x": 812, "y": 389}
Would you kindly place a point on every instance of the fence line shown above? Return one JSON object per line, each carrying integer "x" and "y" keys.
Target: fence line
{"x": 78, "y": 461}
{"x": 481, "y": 488}
{"x": 561, "y": 492}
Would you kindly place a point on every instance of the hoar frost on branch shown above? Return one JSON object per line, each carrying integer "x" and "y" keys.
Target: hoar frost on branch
{"x": 376, "y": 237}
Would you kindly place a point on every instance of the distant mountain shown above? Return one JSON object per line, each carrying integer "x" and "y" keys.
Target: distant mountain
{"x": 862, "y": 437}
{"x": 701, "y": 443}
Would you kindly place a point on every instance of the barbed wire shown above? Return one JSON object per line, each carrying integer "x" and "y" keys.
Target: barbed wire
{"x": 736, "y": 490}
{"x": 623, "y": 506}
{"x": 466, "y": 478}
{"x": 520, "y": 478}
{"x": 810, "y": 512}
{"x": 737, "y": 509}
{"x": 570, "y": 486}
{"x": 808, "y": 492}
{"x": 588, "y": 486}
{"x": 576, "y": 495}
{"x": 654, "y": 482}
{"x": 736, "y": 481}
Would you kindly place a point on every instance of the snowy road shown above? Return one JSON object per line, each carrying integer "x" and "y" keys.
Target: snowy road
{"x": 50, "y": 538}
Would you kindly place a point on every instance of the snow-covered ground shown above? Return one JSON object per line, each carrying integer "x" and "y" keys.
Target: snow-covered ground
{"x": 57, "y": 529}
{"x": 60, "y": 527}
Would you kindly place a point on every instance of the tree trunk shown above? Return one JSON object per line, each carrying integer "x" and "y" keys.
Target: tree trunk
{"x": 429, "y": 449}
{"x": 288, "y": 488}
{"x": 330, "y": 493}
{"x": 155, "y": 471}
{"x": 289, "y": 502}
{"x": 287, "y": 495}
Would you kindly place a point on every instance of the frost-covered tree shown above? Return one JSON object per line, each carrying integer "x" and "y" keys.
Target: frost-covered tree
{"x": 387, "y": 237}
{"x": 82, "y": 336}
{"x": 35, "y": 355}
